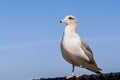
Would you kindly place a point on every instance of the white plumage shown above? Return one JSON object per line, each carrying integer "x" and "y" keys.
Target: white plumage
{"x": 74, "y": 49}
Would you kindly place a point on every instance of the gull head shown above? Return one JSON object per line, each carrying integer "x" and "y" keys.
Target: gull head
{"x": 68, "y": 20}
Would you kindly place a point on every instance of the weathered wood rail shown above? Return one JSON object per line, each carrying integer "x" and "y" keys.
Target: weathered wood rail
{"x": 103, "y": 76}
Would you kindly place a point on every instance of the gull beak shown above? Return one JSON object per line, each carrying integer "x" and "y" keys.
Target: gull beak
{"x": 60, "y": 21}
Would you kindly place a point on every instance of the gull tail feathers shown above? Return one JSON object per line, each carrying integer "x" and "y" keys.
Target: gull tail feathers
{"x": 94, "y": 68}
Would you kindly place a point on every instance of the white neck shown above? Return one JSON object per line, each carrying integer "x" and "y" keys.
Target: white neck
{"x": 70, "y": 29}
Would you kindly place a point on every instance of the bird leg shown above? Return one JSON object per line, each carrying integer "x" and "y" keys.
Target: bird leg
{"x": 73, "y": 70}
{"x": 80, "y": 72}
{"x": 80, "y": 69}
{"x": 72, "y": 75}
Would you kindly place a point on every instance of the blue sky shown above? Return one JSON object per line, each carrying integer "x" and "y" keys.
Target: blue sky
{"x": 30, "y": 36}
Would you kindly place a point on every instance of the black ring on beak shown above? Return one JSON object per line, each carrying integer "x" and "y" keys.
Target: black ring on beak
{"x": 60, "y": 21}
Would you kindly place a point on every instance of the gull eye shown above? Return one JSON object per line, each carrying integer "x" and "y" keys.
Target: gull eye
{"x": 70, "y": 18}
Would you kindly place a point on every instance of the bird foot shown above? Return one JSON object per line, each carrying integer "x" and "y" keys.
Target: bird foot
{"x": 69, "y": 77}
{"x": 79, "y": 75}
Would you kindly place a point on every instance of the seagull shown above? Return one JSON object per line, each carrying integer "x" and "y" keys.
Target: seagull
{"x": 74, "y": 49}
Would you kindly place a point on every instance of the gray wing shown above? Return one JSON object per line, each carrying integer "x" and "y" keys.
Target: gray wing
{"x": 87, "y": 51}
